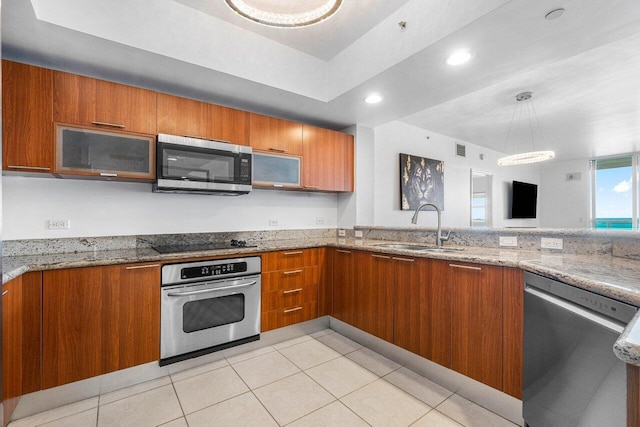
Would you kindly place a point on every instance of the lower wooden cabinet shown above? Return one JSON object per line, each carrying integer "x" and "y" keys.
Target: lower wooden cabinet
{"x": 476, "y": 322}
{"x": 21, "y": 328}
{"x": 290, "y": 281}
{"x": 11, "y": 345}
{"x": 98, "y": 320}
{"x": 466, "y": 317}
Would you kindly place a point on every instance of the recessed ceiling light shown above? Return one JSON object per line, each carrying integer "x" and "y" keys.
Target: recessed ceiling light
{"x": 554, "y": 14}
{"x": 374, "y": 98}
{"x": 459, "y": 57}
{"x": 285, "y": 13}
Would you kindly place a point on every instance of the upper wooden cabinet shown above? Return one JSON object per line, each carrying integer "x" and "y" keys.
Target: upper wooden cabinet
{"x": 90, "y": 102}
{"x": 188, "y": 117}
{"x": 228, "y": 125}
{"x": 275, "y": 135}
{"x": 327, "y": 159}
{"x": 98, "y": 320}
{"x": 182, "y": 116}
{"x": 27, "y": 130}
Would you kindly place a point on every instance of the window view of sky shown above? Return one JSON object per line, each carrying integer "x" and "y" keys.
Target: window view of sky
{"x": 614, "y": 193}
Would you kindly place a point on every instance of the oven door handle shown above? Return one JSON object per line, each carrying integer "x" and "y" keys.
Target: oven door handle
{"x": 204, "y": 291}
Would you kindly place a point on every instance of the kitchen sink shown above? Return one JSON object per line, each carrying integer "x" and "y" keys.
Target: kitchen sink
{"x": 416, "y": 247}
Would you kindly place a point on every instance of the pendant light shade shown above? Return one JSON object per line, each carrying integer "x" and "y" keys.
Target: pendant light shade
{"x": 530, "y": 156}
{"x": 285, "y": 13}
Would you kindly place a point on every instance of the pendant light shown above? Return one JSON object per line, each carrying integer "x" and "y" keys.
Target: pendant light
{"x": 530, "y": 156}
{"x": 285, "y": 13}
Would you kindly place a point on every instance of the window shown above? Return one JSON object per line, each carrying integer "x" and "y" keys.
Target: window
{"x": 613, "y": 193}
{"x": 481, "y": 199}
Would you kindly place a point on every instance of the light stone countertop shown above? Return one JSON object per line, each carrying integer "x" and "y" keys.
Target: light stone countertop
{"x": 614, "y": 277}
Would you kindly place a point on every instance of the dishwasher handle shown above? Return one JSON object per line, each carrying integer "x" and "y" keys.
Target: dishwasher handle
{"x": 601, "y": 320}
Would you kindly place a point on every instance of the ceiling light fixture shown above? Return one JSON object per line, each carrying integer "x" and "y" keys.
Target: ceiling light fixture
{"x": 531, "y": 156}
{"x": 554, "y": 14}
{"x": 374, "y": 98}
{"x": 285, "y": 13}
{"x": 459, "y": 57}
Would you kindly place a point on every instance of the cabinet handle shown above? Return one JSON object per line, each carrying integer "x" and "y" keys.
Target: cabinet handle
{"x": 277, "y": 150}
{"x": 292, "y": 291}
{"x": 113, "y": 125}
{"x": 33, "y": 168}
{"x": 404, "y": 259}
{"x": 465, "y": 267}
{"x": 312, "y": 187}
{"x": 380, "y": 256}
{"x": 293, "y": 253}
{"x": 292, "y": 272}
{"x": 343, "y": 251}
{"x": 137, "y": 267}
{"x": 278, "y": 185}
{"x": 108, "y": 174}
{"x": 4, "y": 293}
{"x": 293, "y": 309}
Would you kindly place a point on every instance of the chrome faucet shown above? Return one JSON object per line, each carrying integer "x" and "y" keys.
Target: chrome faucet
{"x": 439, "y": 237}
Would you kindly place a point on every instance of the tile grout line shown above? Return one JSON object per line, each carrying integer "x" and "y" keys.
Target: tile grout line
{"x": 254, "y": 395}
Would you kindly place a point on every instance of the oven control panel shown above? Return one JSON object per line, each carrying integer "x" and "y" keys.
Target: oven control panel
{"x": 213, "y": 270}
{"x": 190, "y": 272}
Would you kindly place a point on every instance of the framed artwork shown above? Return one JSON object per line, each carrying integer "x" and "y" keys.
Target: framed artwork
{"x": 421, "y": 181}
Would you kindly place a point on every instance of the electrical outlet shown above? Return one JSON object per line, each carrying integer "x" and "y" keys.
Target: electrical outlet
{"x": 511, "y": 241}
{"x": 319, "y": 221}
{"x": 550, "y": 243}
{"x": 273, "y": 223}
{"x": 59, "y": 224}
{"x": 358, "y": 234}
{"x": 341, "y": 233}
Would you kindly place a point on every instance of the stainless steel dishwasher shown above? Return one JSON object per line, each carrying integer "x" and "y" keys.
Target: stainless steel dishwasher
{"x": 571, "y": 376}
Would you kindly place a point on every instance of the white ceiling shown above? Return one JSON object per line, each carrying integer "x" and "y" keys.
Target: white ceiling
{"x": 582, "y": 67}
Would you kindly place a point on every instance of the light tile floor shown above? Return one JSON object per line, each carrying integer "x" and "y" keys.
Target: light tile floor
{"x": 323, "y": 379}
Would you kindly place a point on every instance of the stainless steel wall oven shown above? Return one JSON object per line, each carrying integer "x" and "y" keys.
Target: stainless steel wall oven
{"x": 208, "y": 306}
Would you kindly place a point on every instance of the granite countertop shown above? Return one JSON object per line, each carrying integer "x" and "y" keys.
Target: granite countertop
{"x": 614, "y": 277}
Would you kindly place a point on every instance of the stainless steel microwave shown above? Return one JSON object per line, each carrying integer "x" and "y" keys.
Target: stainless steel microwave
{"x": 192, "y": 165}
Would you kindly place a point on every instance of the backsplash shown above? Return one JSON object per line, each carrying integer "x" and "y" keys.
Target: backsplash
{"x": 584, "y": 242}
{"x": 90, "y": 244}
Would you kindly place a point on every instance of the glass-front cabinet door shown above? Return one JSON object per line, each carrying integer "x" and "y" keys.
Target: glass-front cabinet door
{"x": 82, "y": 151}
{"x": 271, "y": 170}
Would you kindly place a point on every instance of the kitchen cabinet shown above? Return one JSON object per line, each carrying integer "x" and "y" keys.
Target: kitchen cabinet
{"x": 327, "y": 159}
{"x": 325, "y": 282}
{"x": 375, "y": 296}
{"x": 27, "y": 130}
{"x": 422, "y": 308}
{"x": 228, "y": 124}
{"x": 289, "y": 287}
{"x": 182, "y": 116}
{"x": 12, "y": 340}
{"x": 86, "y": 101}
{"x": 21, "y": 326}
{"x": 476, "y": 322}
{"x": 512, "y": 330}
{"x": 98, "y": 320}
{"x": 344, "y": 297}
{"x": 270, "y": 134}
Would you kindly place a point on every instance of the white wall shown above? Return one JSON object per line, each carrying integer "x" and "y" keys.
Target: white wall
{"x": 394, "y": 138}
{"x": 566, "y": 203}
{"x": 98, "y": 208}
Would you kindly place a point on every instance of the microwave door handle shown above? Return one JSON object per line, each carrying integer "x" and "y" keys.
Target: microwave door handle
{"x": 204, "y": 291}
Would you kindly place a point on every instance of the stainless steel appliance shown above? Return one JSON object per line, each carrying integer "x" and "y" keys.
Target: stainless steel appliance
{"x": 571, "y": 375}
{"x": 192, "y": 165}
{"x": 208, "y": 306}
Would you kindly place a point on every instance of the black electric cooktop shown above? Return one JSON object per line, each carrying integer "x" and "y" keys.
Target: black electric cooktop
{"x": 171, "y": 249}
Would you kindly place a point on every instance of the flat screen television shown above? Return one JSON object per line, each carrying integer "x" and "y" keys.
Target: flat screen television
{"x": 524, "y": 200}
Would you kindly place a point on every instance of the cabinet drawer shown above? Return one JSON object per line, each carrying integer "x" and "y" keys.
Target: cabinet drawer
{"x": 289, "y": 316}
{"x": 292, "y": 259}
{"x": 289, "y": 279}
{"x": 288, "y": 298}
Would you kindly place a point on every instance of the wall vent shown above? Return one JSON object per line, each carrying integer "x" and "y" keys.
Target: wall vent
{"x": 574, "y": 176}
{"x": 461, "y": 150}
